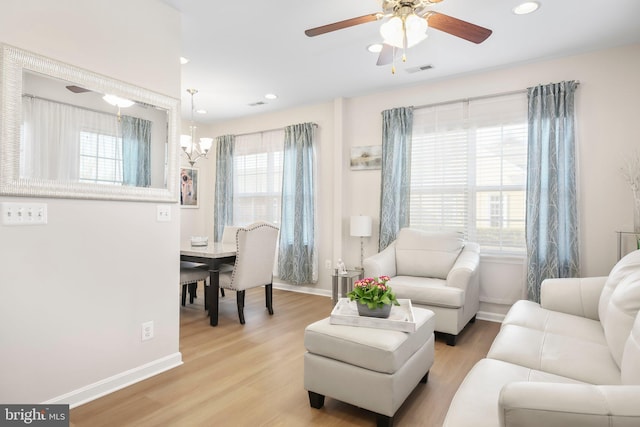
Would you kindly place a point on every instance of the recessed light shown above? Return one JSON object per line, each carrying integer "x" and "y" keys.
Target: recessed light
{"x": 375, "y": 48}
{"x": 271, "y": 96}
{"x": 201, "y": 111}
{"x": 183, "y": 60}
{"x": 526, "y": 7}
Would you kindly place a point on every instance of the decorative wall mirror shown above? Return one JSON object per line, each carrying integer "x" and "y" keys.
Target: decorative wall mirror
{"x": 61, "y": 136}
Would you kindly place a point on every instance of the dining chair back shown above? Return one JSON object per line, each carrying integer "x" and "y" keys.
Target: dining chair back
{"x": 255, "y": 253}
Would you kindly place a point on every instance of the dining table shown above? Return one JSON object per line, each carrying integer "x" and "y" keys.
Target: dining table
{"x": 213, "y": 254}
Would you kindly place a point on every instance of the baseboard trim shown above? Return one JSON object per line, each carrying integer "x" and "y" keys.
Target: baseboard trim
{"x": 491, "y": 317}
{"x": 302, "y": 289}
{"x": 124, "y": 379}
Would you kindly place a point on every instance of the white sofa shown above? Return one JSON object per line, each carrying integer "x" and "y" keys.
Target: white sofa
{"x": 573, "y": 360}
{"x": 437, "y": 271}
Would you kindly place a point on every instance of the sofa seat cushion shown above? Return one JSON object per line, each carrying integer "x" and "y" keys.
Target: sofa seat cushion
{"x": 476, "y": 400}
{"x": 420, "y": 253}
{"x": 427, "y": 291}
{"x": 378, "y": 350}
{"x": 529, "y": 314}
{"x": 564, "y": 355}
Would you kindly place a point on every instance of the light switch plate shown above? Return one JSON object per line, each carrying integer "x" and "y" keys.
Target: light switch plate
{"x": 163, "y": 213}
{"x": 23, "y": 213}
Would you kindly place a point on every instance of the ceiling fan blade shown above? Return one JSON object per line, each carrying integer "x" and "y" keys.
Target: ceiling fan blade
{"x": 386, "y": 55}
{"x": 342, "y": 24}
{"x": 457, "y": 27}
{"x": 77, "y": 89}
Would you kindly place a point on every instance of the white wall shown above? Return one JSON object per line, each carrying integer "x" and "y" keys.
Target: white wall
{"x": 607, "y": 129}
{"x": 74, "y": 292}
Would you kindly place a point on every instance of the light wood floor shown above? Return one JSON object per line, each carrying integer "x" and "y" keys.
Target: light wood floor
{"x": 252, "y": 375}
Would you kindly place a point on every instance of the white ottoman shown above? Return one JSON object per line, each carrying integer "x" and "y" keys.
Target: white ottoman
{"x": 374, "y": 369}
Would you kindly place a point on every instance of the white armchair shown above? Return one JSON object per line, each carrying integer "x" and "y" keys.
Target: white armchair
{"x": 438, "y": 271}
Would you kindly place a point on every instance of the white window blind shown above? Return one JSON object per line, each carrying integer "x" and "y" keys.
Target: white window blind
{"x": 100, "y": 158}
{"x": 468, "y": 170}
{"x": 257, "y": 188}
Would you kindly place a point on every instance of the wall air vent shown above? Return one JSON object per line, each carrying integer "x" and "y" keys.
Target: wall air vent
{"x": 255, "y": 104}
{"x": 418, "y": 69}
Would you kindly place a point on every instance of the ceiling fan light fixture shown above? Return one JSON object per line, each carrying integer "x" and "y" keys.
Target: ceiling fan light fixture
{"x": 392, "y": 32}
{"x": 526, "y": 7}
{"x": 116, "y": 101}
{"x": 395, "y": 29}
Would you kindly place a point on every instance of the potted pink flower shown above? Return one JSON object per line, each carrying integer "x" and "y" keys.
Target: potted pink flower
{"x": 373, "y": 297}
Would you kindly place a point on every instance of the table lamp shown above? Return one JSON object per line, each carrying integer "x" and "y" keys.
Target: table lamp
{"x": 361, "y": 227}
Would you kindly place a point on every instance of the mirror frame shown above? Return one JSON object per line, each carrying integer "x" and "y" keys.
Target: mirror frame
{"x": 13, "y": 62}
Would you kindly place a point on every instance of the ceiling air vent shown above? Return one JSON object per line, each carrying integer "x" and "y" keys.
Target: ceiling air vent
{"x": 418, "y": 69}
{"x": 255, "y": 104}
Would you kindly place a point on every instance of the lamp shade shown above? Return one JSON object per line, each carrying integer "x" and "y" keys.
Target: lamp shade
{"x": 360, "y": 226}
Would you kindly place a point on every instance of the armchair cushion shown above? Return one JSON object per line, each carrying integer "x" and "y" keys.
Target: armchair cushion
{"x": 423, "y": 254}
{"x": 427, "y": 291}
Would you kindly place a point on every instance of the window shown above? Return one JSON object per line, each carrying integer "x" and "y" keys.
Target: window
{"x": 468, "y": 170}
{"x": 100, "y": 158}
{"x": 257, "y": 164}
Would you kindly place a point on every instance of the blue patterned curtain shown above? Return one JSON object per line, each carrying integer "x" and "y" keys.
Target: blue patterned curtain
{"x": 136, "y": 151}
{"x": 223, "y": 197}
{"x": 297, "y": 261}
{"x": 397, "y": 125}
{"x": 552, "y": 217}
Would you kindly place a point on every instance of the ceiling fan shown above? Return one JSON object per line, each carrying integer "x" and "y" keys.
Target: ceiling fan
{"x": 405, "y": 25}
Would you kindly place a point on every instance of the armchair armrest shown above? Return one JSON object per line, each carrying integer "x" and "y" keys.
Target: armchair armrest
{"x": 534, "y": 404}
{"x": 465, "y": 269}
{"x": 577, "y": 296}
{"x": 382, "y": 263}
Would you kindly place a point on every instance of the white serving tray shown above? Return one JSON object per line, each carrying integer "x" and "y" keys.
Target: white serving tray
{"x": 400, "y": 319}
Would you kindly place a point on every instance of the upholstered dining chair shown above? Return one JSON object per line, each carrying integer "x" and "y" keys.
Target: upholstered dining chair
{"x": 255, "y": 253}
{"x": 190, "y": 274}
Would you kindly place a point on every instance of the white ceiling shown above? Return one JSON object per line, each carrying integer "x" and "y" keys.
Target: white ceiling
{"x": 241, "y": 50}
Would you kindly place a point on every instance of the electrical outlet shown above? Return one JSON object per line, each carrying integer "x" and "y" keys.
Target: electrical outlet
{"x": 147, "y": 330}
{"x": 327, "y": 264}
{"x": 163, "y": 213}
{"x": 23, "y": 213}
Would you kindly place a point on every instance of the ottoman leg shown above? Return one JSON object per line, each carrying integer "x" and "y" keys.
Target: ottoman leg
{"x": 316, "y": 400}
{"x": 384, "y": 421}
{"x": 425, "y": 378}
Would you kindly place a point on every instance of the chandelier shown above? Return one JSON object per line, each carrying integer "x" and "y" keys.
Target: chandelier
{"x": 194, "y": 150}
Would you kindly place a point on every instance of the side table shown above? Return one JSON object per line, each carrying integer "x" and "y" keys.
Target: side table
{"x": 621, "y": 234}
{"x": 346, "y": 282}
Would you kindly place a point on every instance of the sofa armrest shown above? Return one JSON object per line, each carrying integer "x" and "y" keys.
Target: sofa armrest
{"x": 465, "y": 269}
{"x": 381, "y": 264}
{"x": 577, "y": 296}
{"x": 535, "y": 404}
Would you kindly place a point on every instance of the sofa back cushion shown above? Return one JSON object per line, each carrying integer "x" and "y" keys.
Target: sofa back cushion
{"x": 620, "y": 314}
{"x": 624, "y": 267}
{"x": 427, "y": 254}
{"x": 630, "y": 369}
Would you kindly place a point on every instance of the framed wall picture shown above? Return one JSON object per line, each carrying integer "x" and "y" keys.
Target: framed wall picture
{"x": 366, "y": 157}
{"x": 189, "y": 187}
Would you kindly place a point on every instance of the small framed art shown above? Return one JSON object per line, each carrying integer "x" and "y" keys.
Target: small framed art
{"x": 189, "y": 187}
{"x": 366, "y": 157}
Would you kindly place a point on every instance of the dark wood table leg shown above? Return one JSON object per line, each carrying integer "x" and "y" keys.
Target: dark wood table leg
{"x": 214, "y": 283}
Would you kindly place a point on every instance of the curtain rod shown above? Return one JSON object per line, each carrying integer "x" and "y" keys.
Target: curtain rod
{"x": 28, "y": 95}
{"x": 477, "y": 98}
{"x": 315, "y": 125}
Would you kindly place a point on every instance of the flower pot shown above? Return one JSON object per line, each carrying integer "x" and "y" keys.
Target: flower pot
{"x": 382, "y": 312}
